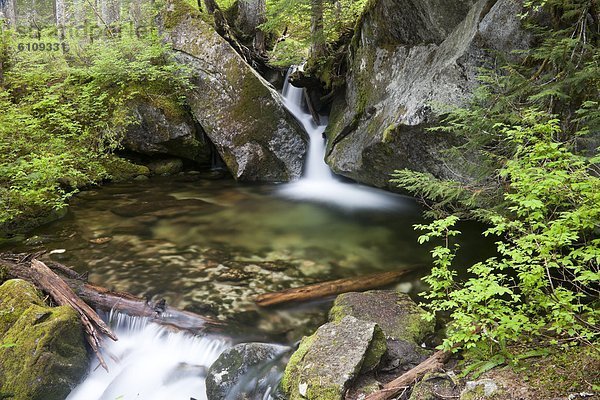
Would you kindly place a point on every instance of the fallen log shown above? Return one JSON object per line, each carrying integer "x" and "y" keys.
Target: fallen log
{"x": 100, "y": 298}
{"x": 432, "y": 364}
{"x": 330, "y": 288}
{"x": 62, "y": 294}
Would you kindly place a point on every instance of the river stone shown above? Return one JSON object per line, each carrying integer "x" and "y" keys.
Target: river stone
{"x": 411, "y": 60}
{"x": 398, "y": 316}
{"x": 231, "y": 366}
{"x": 240, "y": 112}
{"x": 167, "y": 131}
{"x": 435, "y": 386}
{"x": 46, "y": 356}
{"x": 326, "y": 363}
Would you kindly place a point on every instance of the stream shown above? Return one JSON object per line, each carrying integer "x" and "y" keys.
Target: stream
{"x": 209, "y": 245}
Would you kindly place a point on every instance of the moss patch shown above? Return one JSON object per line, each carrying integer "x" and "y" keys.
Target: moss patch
{"x": 121, "y": 170}
{"x": 44, "y": 355}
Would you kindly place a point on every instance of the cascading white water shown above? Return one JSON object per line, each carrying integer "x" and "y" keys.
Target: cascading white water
{"x": 150, "y": 362}
{"x": 318, "y": 183}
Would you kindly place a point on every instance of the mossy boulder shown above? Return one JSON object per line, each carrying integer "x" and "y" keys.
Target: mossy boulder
{"x": 398, "y": 316}
{"x": 43, "y": 353}
{"x": 234, "y": 368}
{"x": 327, "y": 363}
{"x": 166, "y": 129}
{"x": 410, "y": 61}
{"x": 239, "y": 111}
{"x": 122, "y": 170}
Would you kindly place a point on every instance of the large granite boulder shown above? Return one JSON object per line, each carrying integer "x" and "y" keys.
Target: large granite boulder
{"x": 166, "y": 130}
{"x": 410, "y": 60}
{"x": 42, "y": 349}
{"x": 240, "y": 112}
{"x": 239, "y": 372}
{"x": 327, "y": 363}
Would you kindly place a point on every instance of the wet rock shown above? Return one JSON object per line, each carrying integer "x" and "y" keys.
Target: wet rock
{"x": 398, "y": 316}
{"x": 167, "y": 130}
{"x": 44, "y": 353}
{"x": 326, "y": 363}
{"x": 235, "y": 366}
{"x": 402, "y": 355}
{"x": 240, "y": 112}
{"x": 435, "y": 386}
{"x": 411, "y": 59}
{"x": 170, "y": 166}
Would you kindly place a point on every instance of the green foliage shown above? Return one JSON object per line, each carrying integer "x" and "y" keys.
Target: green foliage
{"x": 294, "y": 17}
{"x": 64, "y": 113}
{"x": 540, "y": 197}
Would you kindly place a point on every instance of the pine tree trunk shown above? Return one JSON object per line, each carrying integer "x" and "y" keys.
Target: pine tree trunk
{"x": 317, "y": 33}
{"x": 9, "y": 12}
{"x": 251, "y": 14}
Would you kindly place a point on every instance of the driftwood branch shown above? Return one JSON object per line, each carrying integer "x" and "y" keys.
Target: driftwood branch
{"x": 84, "y": 297}
{"x": 432, "y": 364}
{"x": 330, "y": 288}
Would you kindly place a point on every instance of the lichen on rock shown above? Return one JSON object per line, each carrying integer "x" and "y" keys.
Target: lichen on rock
{"x": 44, "y": 354}
{"x": 239, "y": 111}
{"x": 326, "y": 363}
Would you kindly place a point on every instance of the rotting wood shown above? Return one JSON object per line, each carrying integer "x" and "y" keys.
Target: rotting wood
{"x": 330, "y": 288}
{"x": 432, "y": 364}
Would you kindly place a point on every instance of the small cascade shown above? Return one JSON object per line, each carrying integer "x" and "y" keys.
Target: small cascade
{"x": 150, "y": 362}
{"x": 318, "y": 183}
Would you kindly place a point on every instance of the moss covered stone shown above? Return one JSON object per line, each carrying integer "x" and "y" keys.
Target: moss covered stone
{"x": 43, "y": 353}
{"x": 398, "y": 316}
{"x": 326, "y": 363}
{"x": 121, "y": 170}
{"x": 239, "y": 111}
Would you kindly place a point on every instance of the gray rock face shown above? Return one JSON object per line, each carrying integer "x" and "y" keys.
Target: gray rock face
{"x": 158, "y": 132}
{"x": 411, "y": 59}
{"x": 228, "y": 371}
{"x": 326, "y": 363}
{"x": 239, "y": 111}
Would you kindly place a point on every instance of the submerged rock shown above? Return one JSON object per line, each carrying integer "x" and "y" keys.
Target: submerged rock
{"x": 239, "y": 111}
{"x": 169, "y": 166}
{"x": 166, "y": 131}
{"x": 410, "y": 60}
{"x": 42, "y": 348}
{"x": 233, "y": 370}
{"x": 326, "y": 363}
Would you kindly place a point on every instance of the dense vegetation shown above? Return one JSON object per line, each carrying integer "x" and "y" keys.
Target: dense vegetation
{"x": 530, "y": 125}
{"x": 64, "y": 112}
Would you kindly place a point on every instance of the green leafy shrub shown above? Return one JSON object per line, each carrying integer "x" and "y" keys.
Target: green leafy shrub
{"x": 538, "y": 193}
{"x": 64, "y": 113}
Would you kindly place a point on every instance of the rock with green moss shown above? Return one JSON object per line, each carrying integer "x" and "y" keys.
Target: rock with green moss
{"x": 237, "y": 368}
{"x": 122, "y": 170}
{"x": 166, "y": 129}
{"x": 481, "y": 389}
{"x": 398, "y": 316}
{"x": 43, "y": 348}
{"x": 327, "y": 363}
{"x": 239, "y": 111}
{"x": 411, "y": 60}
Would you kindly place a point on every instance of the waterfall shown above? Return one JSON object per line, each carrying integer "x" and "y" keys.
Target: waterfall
{"x": 318, "y": 183}
{"x": 150, "y": 362}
